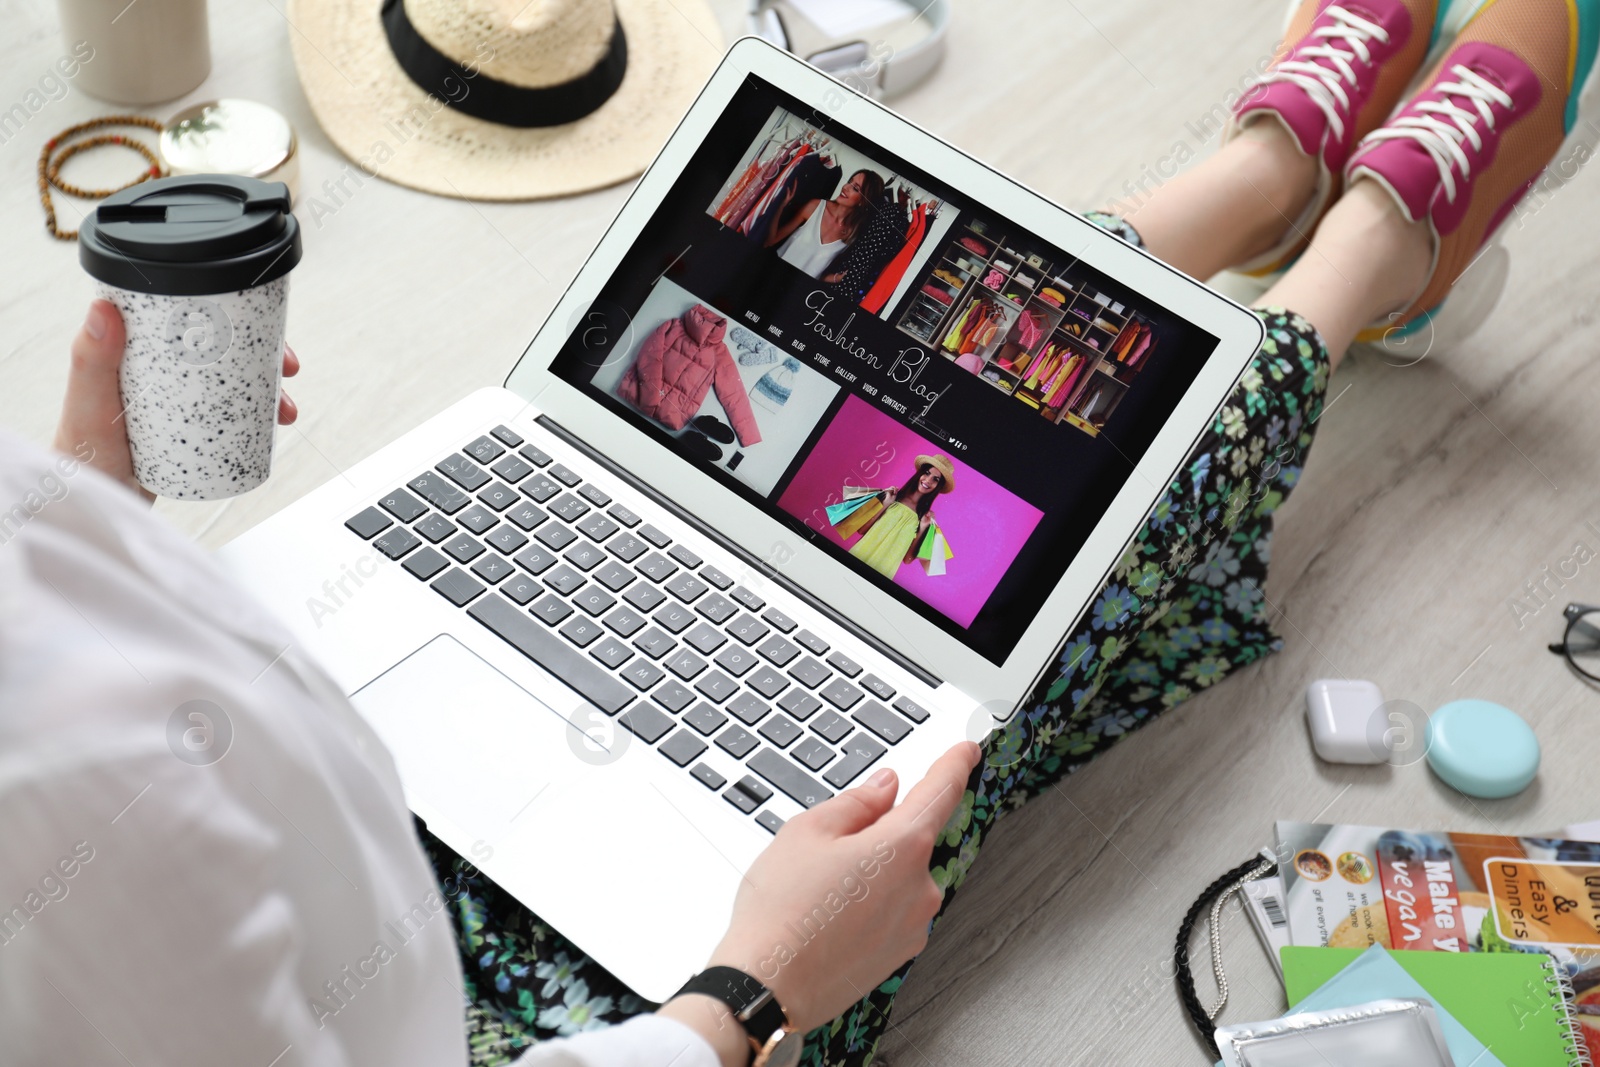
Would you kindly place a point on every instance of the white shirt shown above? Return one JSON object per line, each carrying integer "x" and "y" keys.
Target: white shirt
{"x": 205, "y": 854}
{"x": 804, "y": 247}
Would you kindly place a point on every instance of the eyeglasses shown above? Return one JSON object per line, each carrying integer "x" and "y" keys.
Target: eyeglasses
{"x": 1581, "y": 643}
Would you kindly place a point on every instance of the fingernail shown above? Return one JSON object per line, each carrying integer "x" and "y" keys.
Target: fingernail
{"x": 881, "y": 779}
{"x": 95, "y": 324}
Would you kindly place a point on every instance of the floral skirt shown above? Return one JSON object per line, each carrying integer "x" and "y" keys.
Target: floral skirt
{"x": 1183, "y": 610}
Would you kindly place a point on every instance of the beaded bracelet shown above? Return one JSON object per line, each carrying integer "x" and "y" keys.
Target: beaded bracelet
{"x": 50, "y": 162}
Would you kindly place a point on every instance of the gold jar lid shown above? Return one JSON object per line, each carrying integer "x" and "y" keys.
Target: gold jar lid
{"x": 232, "y": 137}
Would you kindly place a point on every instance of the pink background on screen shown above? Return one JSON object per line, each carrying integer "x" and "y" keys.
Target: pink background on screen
{"x": 985, "y": 525}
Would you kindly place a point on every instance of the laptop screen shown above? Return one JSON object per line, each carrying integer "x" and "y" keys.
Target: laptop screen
{"x": 942, "y": 400}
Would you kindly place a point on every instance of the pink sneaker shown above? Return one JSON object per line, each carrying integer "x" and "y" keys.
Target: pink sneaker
{"x": 1344, "y": 66}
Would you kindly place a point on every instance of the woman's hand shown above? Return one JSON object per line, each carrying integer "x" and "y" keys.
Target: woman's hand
{"x": 93, "y": 411}
{"x": 835, "y": 278}
{"x": 839, "y": 900}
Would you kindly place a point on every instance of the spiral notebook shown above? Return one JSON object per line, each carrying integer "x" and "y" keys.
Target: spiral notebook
{"x": 1517, "y": 1005}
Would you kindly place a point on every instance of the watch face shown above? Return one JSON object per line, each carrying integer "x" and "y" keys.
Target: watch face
{"x": 784, "y": 1050}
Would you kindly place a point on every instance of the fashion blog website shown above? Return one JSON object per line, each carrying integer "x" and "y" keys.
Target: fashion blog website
{"x": 944, "y": 401}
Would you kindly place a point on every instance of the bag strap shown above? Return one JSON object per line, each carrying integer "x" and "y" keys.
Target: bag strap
{"x": 1213, "y": 898}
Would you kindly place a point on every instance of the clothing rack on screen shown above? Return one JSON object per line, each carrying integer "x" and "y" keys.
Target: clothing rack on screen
{"x": 794, "y": 163}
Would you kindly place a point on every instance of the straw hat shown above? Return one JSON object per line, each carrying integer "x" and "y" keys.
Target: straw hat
{"x": 389, "y": 125}
{"x": 943, "y": 465}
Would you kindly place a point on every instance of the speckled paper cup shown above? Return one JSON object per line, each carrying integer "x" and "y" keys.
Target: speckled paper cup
{"x": 198, "y": 266}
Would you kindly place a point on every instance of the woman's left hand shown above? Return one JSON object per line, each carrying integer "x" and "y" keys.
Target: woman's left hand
{"x": 834, "y": 279}
{"x": 93, "y": 410}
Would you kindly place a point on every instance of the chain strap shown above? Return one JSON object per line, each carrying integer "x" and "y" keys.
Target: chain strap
{"x": 50, "y": 161}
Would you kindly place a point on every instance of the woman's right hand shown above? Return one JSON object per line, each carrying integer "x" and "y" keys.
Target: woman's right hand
{"x": 842, "y": 897}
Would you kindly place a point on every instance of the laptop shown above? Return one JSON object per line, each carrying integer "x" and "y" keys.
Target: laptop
{"x": 832, "y": 440}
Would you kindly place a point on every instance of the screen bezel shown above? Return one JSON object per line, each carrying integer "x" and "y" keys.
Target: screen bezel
{"x": 808, "y": 565}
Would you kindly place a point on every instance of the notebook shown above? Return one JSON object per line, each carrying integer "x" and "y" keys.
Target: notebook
{"x": 1515, "y": 1004}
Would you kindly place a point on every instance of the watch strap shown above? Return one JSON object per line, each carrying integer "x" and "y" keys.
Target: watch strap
{"x": 751, "y": 1002}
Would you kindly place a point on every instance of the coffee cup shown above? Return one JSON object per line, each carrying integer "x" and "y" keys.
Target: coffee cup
{"x": 198, "y": 265}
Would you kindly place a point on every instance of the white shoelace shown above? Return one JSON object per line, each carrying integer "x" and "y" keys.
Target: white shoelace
{"x": 1325, "y": 84}
{"x": 1443, "y": 137}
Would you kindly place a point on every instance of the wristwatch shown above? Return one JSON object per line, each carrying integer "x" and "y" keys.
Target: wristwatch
{"x": 773, "y": 1041}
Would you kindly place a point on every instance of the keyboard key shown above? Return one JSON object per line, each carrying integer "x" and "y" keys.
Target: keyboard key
{"x": 654, "y": 643}
{"x": 768, "y": 682}
{"x": 552, "y": 609}
{"x": 778, "y": 620}
{"x": 708, "y": 777}
{"x": 535, "y": 560}
{"x": 426, "y": 564}
{"x": 507, "y": 435}
{"x": 526, "y": 515}
{"x": 405, "y": 507}
{"x": 809, "y": 673}
{"x": 673, "y": 618}
{"x": 768, "y": 821}
{"x": 624, "y": 622}
{"x": 461, "y": 470}
{"x": 520, "y": 589}
{"x": 755, "y": 789}
{"x": 612, "y": 653}
{"x": 627, "y": 548}
{"x": 642, "y": 674}
{"x": 877, "y": 687}
{"x": 568, "y": 507}
{"x": 811, "y": 643}
{"x": 492, "y": 568}
{"x": 539, "y": 488}
{"x": 741, "y": 800}
{"x": 485, "y": 449}
{"x": 832, "y": 727}
{"x": 462, "y": 548}
{"x": 686, "y": 587}
{"x": 844, "y": 664}
{"x": 861, "y": 753}
{"x": 534, "y": 455}
{"x": 568, "y": 478}
{"x": 682, "y": 747}
{"x": 582, "y": 632}
{"x": 457, "y": 586}
{"x": 813, "y": 754}
{"x": 787, "y": 775}
{"x": 624, "y": 516}
{"x": 647, "y": 722}
{"x": 704, "y": 639}
{"x": 748, "y": 628}
{"x": 596, "y": 526}
{"x": 716, "y": 686}
{"x": 841, "y": 694}
{"x": 799, "y": 704}
{"x": 673, "y": 696}
{"x": 506, "y": 539}
{"x": 594, "y": 600}
{"x": 656, "y": 567}
{"x": 715, "y": 578}
{"x": 685, "y": 664}
{"x": 779, "y": 650}
{"x": 747, "y": 709}
{"x": 716, "y": 607}
{"x": 705, "y": 718}
{"x": 564, "y": 580}
{"x": 613, "y": 575}
{"x": 594, "y": 495}
{"x": 780, "y": 731}
{"x": 499, "y": 496}
{"x": 584, "y": 555}
{"x": 368, "y": 524}
{"x": 435, "y": 489}
{"x": 686, "y": 557}
{"x": 555, "y": 535}
{"x": 396, "y": 542}
{"x": 737, "y": 661}
{"x": 881, "y": 721}
{"x": 435, "y": 528}
{"x": 479, "y": 519}
{"x": 644, "y": 596}
{"x": 737, "y": 742}
{"x": 654, "y": 536}
{"x": 747, "y": 598}
{"x": 512, "y": 469}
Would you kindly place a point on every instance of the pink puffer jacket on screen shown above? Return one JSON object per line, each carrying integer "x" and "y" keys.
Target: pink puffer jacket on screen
{"x": 678, "y": 364}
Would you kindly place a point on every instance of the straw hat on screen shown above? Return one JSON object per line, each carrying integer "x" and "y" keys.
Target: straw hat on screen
{"x": 502, "y": 99}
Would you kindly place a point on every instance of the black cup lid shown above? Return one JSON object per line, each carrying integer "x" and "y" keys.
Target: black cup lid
{"x": 191, "y": 235}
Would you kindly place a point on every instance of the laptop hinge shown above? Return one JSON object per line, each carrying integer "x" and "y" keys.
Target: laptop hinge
{"x": 755, "y": 563}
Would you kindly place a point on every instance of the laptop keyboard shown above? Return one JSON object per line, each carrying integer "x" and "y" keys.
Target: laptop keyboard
{"x": 638, "y": 624}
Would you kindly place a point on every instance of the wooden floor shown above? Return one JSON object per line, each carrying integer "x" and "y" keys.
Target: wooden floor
{"x": 1438, "y": 497}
